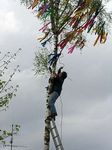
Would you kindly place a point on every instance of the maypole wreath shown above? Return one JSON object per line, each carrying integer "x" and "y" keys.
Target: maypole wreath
{"x": 75, "y": 19}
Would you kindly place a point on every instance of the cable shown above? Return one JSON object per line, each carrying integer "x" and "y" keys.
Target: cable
{"x": 62, "y": 64}
{"x": 61, "y": 123}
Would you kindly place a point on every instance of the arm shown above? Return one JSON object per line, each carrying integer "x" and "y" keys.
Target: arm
{"x": 52, "y": 80}
{"x": 59, "y": 70}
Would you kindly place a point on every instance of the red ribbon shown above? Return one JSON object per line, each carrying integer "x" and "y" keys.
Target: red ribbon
{"x": 44, "y": 27}
{"x": 71, "y": 49}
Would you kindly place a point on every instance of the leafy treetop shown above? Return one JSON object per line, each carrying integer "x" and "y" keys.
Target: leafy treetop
{"x": 70, "y": 20}
{"x": 67, "y": 22}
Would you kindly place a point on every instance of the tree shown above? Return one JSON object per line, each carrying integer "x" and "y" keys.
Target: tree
{"x": 7, "y": 89}
{"x": 66, "y": 24}
{"x": 5, "y": 134}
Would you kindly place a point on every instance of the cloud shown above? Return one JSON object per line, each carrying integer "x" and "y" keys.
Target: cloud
{"x": 26, "y": 109}
{"x": 90, "y": 129}
{"x": 8, "y": 22}
{"x": 86, "y": 96}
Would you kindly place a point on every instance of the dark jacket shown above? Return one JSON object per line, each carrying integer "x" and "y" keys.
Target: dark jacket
{"x": 57, "y": 83}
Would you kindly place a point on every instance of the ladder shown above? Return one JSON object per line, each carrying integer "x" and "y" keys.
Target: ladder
{"x": 55, "y": 136}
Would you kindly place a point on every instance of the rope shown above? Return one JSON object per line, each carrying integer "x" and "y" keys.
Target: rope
{"x": 62, "y": 64}
{"x": 61, "y": 122}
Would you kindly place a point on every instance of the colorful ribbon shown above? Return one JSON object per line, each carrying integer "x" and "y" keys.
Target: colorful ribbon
{"x": 82, "y": 19}
{"x": 53, "y": 57}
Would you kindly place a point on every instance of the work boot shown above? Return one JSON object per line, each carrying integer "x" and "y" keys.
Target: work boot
{"x": 48, "y": 118}
{"x": 54, "y": 116}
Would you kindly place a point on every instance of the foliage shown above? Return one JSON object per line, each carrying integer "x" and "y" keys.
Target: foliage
{"x": 7, "y": 90}
{"x": 41, "y": 61}
{"x": 26, "y": 2}
{"x": 5, "y": 134}
{"x": 72, "y": 19}
{"x": 66, "y": 23}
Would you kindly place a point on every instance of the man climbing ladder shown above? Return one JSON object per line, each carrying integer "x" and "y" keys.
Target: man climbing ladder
{"x": 56, "y": 81}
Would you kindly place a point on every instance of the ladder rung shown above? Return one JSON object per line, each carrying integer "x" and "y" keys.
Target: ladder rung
{"x": 53, "y": 127}
{"x": 55, "y": 136}
{"x": 58, "y": 145}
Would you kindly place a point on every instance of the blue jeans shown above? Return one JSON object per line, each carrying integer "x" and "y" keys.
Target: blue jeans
{"x": 51, "y": 101}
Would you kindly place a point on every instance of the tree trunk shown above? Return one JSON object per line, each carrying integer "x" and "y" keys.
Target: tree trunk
{"x": 47, "y": 128}
{"x": 47, "y": 122}
{"x": 54, "y": 24}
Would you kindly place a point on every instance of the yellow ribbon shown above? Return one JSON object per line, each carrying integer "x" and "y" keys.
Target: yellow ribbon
{"x": 39, "y": 13}
{"x": 104, "y": 38}
{"x": 34, "y": 4}
{"x": 42, "y": 38}
{"x": 96, "y": 40}
{"x": 88, "y": 2}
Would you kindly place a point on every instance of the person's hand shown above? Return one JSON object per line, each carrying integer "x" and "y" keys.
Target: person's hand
{"x": 61, "y": 67}
{"x": 53, "y": 75}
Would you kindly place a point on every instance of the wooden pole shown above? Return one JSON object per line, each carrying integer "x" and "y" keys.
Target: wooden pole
{"x": 54, "y": 26}
{"x": 47, "y": 128}
{"x": 11, "y": 137}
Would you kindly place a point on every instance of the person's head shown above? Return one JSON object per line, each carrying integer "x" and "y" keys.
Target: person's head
{"x": 63, "y": 75}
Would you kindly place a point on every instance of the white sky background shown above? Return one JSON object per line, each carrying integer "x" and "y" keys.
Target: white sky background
{"x": 86, "y": 95}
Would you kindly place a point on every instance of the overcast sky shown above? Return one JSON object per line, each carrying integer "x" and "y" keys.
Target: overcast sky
{"x": 85, "y": 108}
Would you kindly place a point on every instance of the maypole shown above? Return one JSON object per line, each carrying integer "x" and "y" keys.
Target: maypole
{"x": 65, "y": 23}
{"x": 54, "y": 27}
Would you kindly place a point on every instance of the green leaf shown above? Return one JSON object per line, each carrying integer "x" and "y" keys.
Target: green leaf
{"x": 1, "y": 138}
